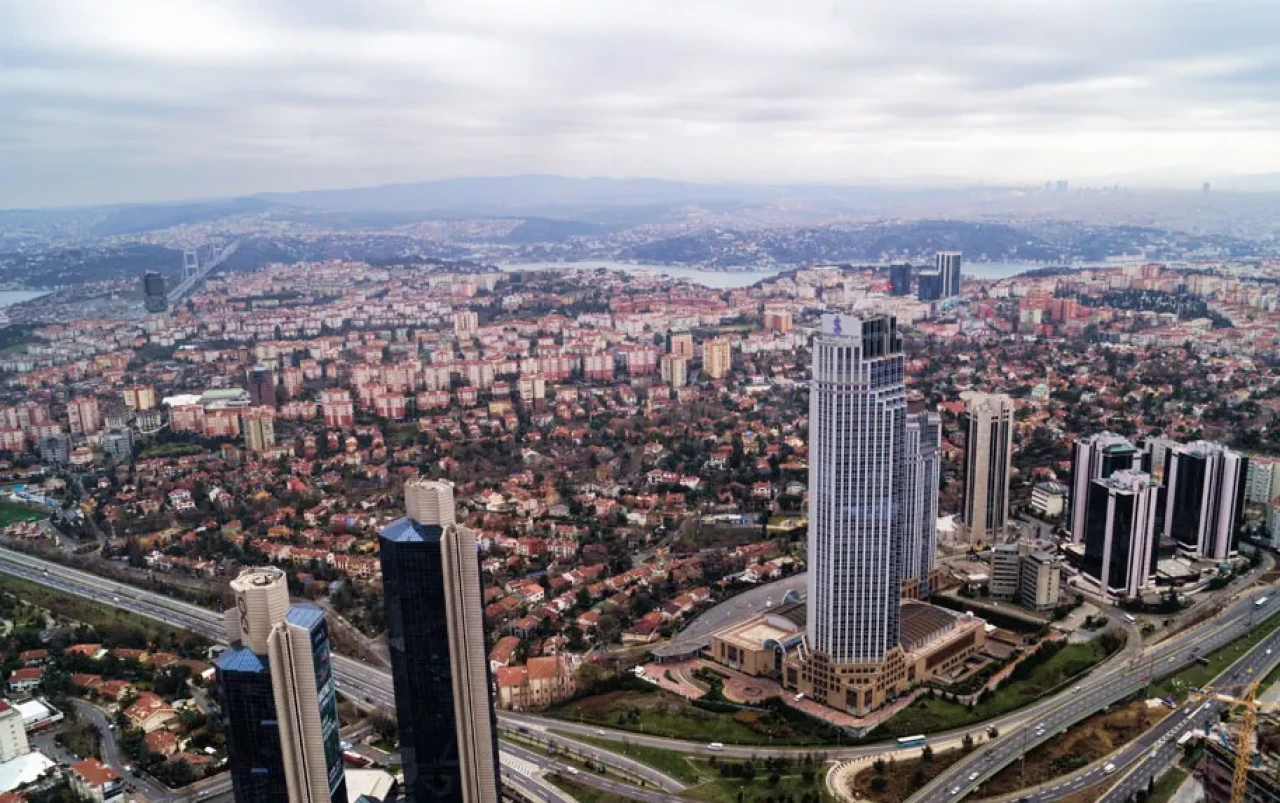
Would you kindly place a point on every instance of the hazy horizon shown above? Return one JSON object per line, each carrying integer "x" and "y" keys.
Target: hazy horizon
{"x": 143, "y": 100}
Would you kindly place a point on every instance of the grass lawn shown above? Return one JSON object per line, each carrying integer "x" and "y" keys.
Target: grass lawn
{"x": 90, "y": 613}
{"x": 1167, "y": 785}
{"x": 661, "y": 713}
{"x": 1083, "y": 743}
{"x": 1197, "y": 675}
{"x": 583, "y": 793}
{"x": 683, "y": 768}
{"x": 899, "y": 780}
{"x": 931, "y": 715}
{"x": 707, "y": 783}
{"x": 13, "y": 511}
{"x": 726, "y": 790}
{"x": 170, "y": 450}
{"x": 726, "y": 779}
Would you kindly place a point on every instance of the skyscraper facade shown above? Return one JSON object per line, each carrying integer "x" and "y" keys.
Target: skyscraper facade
{"x": 435, "y": 632}
{"x": 262, "y": 386}
{"x": 278, "y": 701}
{"x": 1097, "y": 457}
{"x": 923, "y": 466}
{"x": 947, "y": 263}
{"x": 1205, "y": 487}
{"x": 1120, "y": 533}
{"x": 154, "y": 294}
{"x": 305, "y": 698}
{"x": 900, "y": 279}
{"x": 248, "y": 704}
{"x": 857, "y": 428}
{"x": 929, "y": 286}
{"x": 988, "y": 456}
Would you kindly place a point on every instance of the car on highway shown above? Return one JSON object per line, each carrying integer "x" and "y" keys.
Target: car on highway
{"x": 973, "y": 776}
{"x": 1110, "y": 768}
{"x": 955, "y": 790}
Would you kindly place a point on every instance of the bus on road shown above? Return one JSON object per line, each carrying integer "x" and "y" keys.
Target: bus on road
{"x": 912, "y": 741}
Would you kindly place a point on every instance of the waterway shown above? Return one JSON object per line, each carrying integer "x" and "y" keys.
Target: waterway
{"x": 727, "y": 279}
{"x": 10, "y": 297}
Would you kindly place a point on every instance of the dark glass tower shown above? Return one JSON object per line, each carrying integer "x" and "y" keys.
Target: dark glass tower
{"x": 900, "y": 280}
{"x": 929, "y": 286}
{"x": 153, "y": 292}
{"x": 252, "y": 730}
{"x": 262, "y": 387}
{"x": 431, "y": 585}
{"x": 1204, "y": 498}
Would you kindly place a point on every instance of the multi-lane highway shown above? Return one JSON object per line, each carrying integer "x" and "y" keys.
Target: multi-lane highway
{"x": 1020, "y": 730}
{"x": 1092, "y": 695}
{"x": 355, "y": 679}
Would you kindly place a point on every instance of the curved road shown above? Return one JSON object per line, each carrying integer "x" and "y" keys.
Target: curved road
{"x": 1047, "y": 720}
{"x": 1110, "y": 682}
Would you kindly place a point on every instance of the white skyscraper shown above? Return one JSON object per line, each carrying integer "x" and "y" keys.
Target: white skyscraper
{"x": 988, "y": 456}
{"x": 307, "y": 706}
{"x": 948, "y": 265}
{"x": 279, "y": 700}
{"x": 857, "y": 429}
{"x": 430, "y": 502}
{"x": 920, "y": 497}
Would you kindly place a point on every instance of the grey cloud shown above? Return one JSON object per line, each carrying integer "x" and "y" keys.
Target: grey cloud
{"x": 138, "y": 98}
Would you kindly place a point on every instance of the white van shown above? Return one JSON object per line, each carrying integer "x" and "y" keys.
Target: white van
{"x": 716, "y": 746}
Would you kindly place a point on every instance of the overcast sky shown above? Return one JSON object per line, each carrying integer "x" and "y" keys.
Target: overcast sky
{"x": 117, "y": 100}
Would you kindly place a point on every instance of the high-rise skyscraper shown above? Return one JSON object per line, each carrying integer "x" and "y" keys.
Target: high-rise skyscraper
{"x": 154, "y": 295}
{"x": 435, "y": 631}
{"x": 1097, "y": 457}
{"x": 922, "y": 456}
{"x": 929, "y": 286}
{"x": 857, "y": 428}
{"x": 307, "y": 705}
{"x": 262, "y": 386}
{"x": 248, "y": 705}
{"x": 1204, "y": 498}
{"x": 900, "y": 279}
{"x": 279, "y": 707}
{"x": 988, "y": 456}
{"x": 947, "y": 263}
{"x": 1120, "y": 533}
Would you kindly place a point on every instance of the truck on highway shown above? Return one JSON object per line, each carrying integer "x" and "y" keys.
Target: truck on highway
{"x": 1261, "y": 602}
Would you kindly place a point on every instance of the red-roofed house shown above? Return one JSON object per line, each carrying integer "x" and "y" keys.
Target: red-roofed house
{"x": 543, "y": 682}
{"x": 33, "y": 657}
{"x": 25, "y": 678}
{"x": 114, "y": 689}
{"x": 503, "y": 652}
{"x": 162, "y": 742}
{"x": 151, "y": 713}
{"x": 96, "y": 781}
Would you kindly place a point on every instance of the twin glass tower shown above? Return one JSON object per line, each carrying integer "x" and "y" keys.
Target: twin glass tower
{"x": 277, "y": 681}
